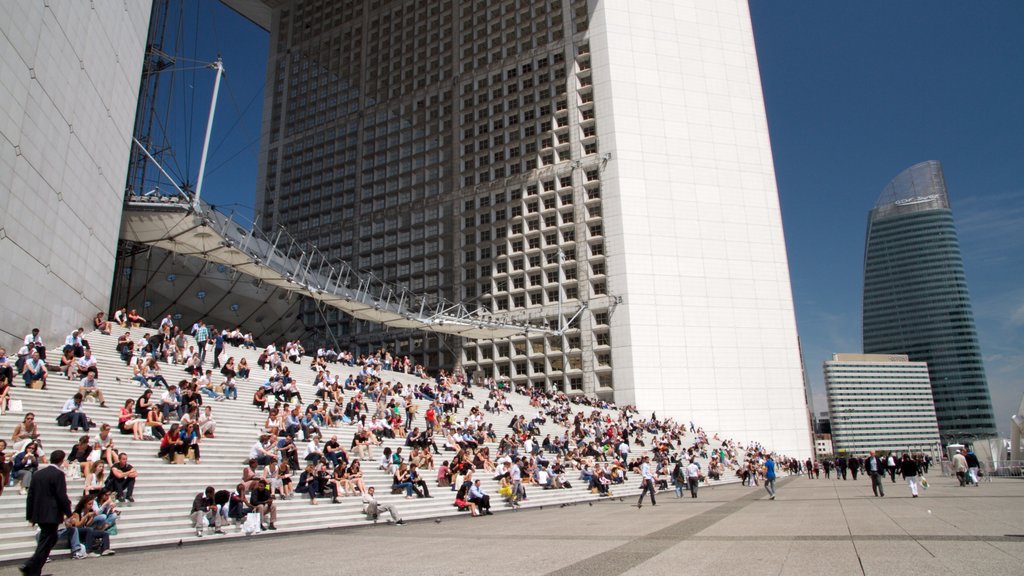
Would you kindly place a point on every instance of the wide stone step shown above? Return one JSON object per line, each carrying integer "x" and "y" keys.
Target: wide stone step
{"x": 164, "y": 492}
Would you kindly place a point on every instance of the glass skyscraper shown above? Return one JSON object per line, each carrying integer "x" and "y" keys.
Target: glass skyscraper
{"x": 916, "y": 300}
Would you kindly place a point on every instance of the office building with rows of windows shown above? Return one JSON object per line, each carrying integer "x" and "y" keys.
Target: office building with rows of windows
{"x": 916, "y": 300}
{"x": 598, "y": 166}
{"x": 880, "y": 402}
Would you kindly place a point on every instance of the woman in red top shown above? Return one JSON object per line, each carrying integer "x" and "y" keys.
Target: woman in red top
{"x": 129, "y": 423}
{"x": 172, "y": 443}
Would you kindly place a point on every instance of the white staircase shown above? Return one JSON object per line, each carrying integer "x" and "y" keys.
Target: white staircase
{"x": 164, "y": 492}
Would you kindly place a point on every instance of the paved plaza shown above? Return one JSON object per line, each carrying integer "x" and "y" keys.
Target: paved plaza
{"x": 813, "y": 527}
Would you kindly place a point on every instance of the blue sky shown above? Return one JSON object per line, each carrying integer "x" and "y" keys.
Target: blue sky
{"x": 855, "y": 93}
{"x": 858, "y": 91}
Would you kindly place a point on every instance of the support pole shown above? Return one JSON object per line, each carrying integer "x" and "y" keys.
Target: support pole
{"x": 159, "y": 167}
{"x": 219, "y": 67}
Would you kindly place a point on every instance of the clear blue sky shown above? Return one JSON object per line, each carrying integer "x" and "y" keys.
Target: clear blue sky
{"x": 858, "y": 91}
{"x": 855, "y": 93}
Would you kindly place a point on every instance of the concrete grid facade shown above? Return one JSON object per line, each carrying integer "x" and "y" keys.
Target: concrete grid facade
{"x": 514, "y": 154}
{"x": 880, "y": 402}
{"x": 70, "y": 74}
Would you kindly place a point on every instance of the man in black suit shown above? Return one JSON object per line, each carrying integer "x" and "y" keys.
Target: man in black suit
{"x": 47, "y": 505}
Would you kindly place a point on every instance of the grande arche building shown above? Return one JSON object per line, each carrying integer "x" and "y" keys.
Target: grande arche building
{"x": 604, "y": 162}
{"x": 598, "y": 166}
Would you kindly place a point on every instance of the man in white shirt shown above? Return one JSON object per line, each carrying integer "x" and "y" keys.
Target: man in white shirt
{"x": 207, "y": 425}
{"x": 313, "y": 451}
{"x": 262, "y": 451}
{"x": 24, "y": 353}
{"x": 649, "y": 486}
{"x": 372, "y": 508}
{"x": 86, "y": 363}
{"x": 34, "y": 342}
{"x": 74, "y": 342}
{"x": 543, "y": 478}
{"x": 90, "y": 387}
{"x": 693, "y": 477}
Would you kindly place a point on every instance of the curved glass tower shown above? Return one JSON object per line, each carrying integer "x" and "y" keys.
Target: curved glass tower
{"x": 916, "y": 300}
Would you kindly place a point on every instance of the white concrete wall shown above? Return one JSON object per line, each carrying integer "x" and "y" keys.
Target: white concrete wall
{"x": 71, "y": 72}
{"x": 692, "y": 221}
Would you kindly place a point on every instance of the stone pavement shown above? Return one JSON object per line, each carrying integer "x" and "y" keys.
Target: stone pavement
{"x": 813, "y": 527}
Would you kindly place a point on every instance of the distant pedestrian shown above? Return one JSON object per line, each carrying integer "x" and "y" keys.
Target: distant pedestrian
{"x": 647, "y": 480}
{"x": 854, "y": 465}
{"x": 47, "y": 506}
{"x": 960, "y": 467}
{"x": 679, "y": 478}
{"x": 973, "y": 465}
{"x": 769, "y": 477}
{"x": 909, "y": 470}
{"x": 693, "y": 477}
{"x": 873, "y": 465}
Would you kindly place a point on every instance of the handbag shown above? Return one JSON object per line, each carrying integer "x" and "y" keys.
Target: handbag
{"x": 252, "y": 524}
{"x": 15, "y": 405}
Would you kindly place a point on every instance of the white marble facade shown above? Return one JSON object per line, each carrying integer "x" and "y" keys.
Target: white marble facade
{"x": 692, "y": 222}
{"x": 71, "y": 72}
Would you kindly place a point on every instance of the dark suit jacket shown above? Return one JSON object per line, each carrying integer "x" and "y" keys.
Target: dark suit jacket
{"x": 47, "y": 501}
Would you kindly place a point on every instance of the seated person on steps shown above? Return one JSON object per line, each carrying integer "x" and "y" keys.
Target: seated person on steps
{"x": 122, "y": 478}
{"x": 90, "y": 387}
{"x": 205, "y": 513}
{"x": 86, "y": 363}
{"x": 372, "y": 508}
{"x": 35, "y": 370}
{"x": 71, "y": 414}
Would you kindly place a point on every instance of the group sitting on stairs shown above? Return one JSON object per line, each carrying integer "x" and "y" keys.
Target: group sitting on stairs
{"x": 594, "y": 444}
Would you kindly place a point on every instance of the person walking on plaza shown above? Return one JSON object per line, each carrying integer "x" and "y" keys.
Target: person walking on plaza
{"x": 769, "y": 477}
{"x": 679, "y": 478}
{"x": 47, "y": 506}
{"x": 960, "y": 467}
{"x": 841, "y": 468}
{"x": 647, "y": 479}
{"x": 854, "y": 465}
{"x": 892, "y": 465}
{"x": 693, "y": 477}
{"x": 908, "y": 469}
{"x": 874, "y": 468}
{"x": 973, "y": 465}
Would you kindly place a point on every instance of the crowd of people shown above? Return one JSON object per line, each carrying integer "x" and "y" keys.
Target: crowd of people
{"x": 562, "y": 441}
